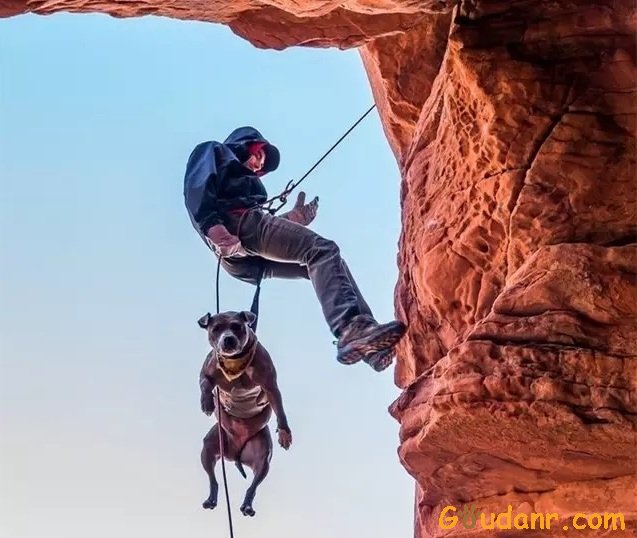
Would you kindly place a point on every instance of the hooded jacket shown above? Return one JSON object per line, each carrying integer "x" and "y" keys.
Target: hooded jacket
{"x": 216, "y": 180}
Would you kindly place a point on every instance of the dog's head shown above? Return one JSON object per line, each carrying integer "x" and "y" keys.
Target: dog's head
{"x": 228, "y": 333}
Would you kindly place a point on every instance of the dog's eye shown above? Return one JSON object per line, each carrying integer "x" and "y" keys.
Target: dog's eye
{"x": 235, "y": 327}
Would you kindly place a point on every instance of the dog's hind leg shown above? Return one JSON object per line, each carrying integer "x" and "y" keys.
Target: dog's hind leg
{"x": 256, "y": 454}
{"x": 209, "y": 455}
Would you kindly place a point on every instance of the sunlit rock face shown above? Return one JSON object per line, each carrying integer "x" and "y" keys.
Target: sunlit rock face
{"x": 514, "y": 126}
{"x": 274, "y": 24}
{"x": 517, "y": 257}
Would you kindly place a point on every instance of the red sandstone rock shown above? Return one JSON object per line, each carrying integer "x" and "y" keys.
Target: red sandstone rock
{"x": 514, "y": 125}
{"x": 273, "y": 24}
{"x": 401, "y": 69}
{"x": 519, "y": 265}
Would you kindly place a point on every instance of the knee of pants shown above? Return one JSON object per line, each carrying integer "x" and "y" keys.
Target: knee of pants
{"x": 243, "y": 273}
{"x": 324, "y": 248}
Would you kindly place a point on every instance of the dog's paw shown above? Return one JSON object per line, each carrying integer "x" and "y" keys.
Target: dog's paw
{"x": 285, "y": 438}
{"x": 207, "y": 403}
{"x": 247, "y": 510}
{"x": 209, "y": 504}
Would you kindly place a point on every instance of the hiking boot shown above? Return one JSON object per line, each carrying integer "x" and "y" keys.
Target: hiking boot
{"x": 380, "y": 361}
{"x": 365, "y": 336}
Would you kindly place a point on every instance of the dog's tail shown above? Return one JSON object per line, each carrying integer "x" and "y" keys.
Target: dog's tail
{"x": 238, "y": 462}
{"x": 241, "y": 469}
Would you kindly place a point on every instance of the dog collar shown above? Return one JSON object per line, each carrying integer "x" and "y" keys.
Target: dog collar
{"x": 234, "y": 367}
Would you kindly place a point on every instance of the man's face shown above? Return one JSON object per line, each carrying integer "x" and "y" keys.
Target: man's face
{"x": 256, "y": 161}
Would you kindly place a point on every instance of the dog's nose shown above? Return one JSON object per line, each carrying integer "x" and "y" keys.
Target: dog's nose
{"x": 229, "y": 341}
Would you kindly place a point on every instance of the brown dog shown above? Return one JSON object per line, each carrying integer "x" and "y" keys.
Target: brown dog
{"x": 244, "y": 373}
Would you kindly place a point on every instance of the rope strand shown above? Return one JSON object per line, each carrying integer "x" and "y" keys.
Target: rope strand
{"x": 220, "y": 427}
{"x": 217, "y": 284}
{"x": 223, "y": 465}
{"x": 293, "y": 185}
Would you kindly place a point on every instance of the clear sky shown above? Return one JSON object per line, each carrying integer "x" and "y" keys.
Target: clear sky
{"x": 102, "y": 280}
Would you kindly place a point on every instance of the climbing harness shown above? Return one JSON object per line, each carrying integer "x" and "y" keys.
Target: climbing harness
{"x": 268, "y": 206}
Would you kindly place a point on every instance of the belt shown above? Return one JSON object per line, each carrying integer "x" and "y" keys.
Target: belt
{"x": 238, "y": 211}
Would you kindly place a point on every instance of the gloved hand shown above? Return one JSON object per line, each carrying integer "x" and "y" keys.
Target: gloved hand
{"x": 223, "y": 242}
{"x": 302, "y": 213}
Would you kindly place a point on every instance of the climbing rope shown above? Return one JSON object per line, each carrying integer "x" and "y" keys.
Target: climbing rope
{"x": 267, "y": 205}
{"x": 220, "y": 428}
{"x": 223, "y": 466}
{"x": 217, "y": 285}
{"x": 283, "y": 196}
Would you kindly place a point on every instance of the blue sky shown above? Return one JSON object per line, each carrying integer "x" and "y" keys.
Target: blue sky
{"x": 102, "y": 280}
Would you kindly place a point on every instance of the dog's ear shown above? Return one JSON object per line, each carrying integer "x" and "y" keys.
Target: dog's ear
{"x": 204, "y": 320}
{"x": 248, "y": 317}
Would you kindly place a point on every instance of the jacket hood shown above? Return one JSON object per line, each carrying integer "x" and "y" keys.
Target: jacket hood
{"x": 239, "y": 140}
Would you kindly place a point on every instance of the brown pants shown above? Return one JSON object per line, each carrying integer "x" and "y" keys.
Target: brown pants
{"x": 283, "y": 249}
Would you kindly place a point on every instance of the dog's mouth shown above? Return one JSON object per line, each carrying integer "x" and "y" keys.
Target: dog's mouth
{"x": 229, "y": 345}
{"x": 230, "y": 353}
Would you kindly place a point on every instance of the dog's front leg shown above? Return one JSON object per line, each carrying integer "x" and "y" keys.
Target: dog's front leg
{"x": 282, "y": 428}
{"x": 265, "y": 375}
{"x": 206, "y": 386}
{"x": 209, "y": 456}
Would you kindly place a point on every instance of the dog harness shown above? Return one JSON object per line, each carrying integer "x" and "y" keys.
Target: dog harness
{"x": 240, "y": 402}
{"x": 243, "y": 403}
{"x": 233, "y": 368}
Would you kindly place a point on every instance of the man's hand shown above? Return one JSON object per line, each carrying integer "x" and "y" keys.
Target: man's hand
{"x": 223, "y": 242}
{"x": 285, "y": 437}
{"x": 302, "y": 213}
{"x": 207, "y": 402}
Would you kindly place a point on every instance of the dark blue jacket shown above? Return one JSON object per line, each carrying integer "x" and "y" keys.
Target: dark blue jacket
{"x": 216, "y": 180}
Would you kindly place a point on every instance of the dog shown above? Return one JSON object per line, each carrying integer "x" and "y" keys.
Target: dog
{"x": 243, "y": 372}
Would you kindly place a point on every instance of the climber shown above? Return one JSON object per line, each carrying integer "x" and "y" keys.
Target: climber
{"x": 223, "y": 192}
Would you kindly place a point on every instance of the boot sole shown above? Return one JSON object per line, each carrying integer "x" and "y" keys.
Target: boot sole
{"x": 383, "y": 340}
{"x": 380, "y": 361}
